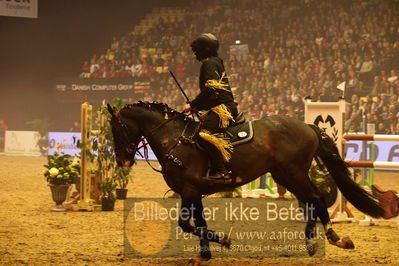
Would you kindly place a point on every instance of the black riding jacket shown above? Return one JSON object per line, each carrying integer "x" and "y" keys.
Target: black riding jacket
{"x": 212, "y": 69}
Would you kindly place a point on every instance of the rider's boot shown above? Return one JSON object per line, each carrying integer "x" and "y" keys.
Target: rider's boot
{"x": 218, "y": 167}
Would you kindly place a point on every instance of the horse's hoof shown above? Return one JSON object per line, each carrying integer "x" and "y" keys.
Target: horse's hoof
{"x": 348, "y": 243}
{"x": 345, "y": 243}
{"x": 195, "y": 261}
{"x": 225, "y": 242}
{"x": 311, "y": 246}
{"x": 332, "y": 236}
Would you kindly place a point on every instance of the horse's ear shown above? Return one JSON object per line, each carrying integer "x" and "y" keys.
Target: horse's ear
{"x": 110, "y": 110}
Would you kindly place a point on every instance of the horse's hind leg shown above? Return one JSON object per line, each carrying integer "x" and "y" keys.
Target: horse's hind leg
{"x": 297, "y": 181}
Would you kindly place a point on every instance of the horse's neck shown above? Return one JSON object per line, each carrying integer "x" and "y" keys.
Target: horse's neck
{"x": 162, "y": 135}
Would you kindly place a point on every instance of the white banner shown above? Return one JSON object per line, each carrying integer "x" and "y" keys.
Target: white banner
{"x": 68, "y": 140}
{"x": 19, "y": 8}
{"x": 22, "y": 143}
{"x": 327, "y": 116}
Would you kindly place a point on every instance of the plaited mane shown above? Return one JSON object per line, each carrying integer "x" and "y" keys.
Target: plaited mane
{"x": 162, "y": 108}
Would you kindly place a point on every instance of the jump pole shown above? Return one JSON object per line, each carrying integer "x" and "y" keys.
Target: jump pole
{"x": 85, "y": 203}
{"x": 375, "y": 137}
{"x": 373, "y": 165}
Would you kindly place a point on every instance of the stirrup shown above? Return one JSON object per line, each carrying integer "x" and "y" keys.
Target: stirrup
{"x": 221, "y": 177}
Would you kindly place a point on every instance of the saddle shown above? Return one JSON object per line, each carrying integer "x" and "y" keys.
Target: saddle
{"x": 388, "y": 200}
{"x": 241, "y": 131}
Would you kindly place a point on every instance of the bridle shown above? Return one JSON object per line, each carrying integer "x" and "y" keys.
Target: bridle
{"x": 132, "y": 148}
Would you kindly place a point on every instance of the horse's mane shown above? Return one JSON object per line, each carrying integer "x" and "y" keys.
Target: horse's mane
{"x": 162, "y": 108}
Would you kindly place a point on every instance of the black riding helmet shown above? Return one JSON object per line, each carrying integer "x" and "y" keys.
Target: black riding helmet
{"x": 206, "y": 45}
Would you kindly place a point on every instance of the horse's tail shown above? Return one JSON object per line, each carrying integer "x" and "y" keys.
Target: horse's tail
{"x": 338, "y": 168}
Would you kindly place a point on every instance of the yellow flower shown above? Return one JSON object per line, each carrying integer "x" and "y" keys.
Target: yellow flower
{"x": 53, "y": 172}
{"x": 58, "y": 146}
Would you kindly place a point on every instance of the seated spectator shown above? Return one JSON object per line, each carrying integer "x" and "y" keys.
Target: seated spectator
{"x": 97, "y": 73}
{"x": 352, "y": 122}
{"x": 3, "y": 129}
{"x": 381, "y": 128}
{"x": 365, "y": 69}
{"x": 75, "y": 127}
{"x": 393, "y": 77}
{"x": 3, "y": 126}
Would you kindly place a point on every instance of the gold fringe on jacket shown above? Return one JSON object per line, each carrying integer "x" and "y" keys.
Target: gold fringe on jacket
{"x": 224, "y": 115}
{"x": 220, "y": 142}
{"x": 217, "y": 84}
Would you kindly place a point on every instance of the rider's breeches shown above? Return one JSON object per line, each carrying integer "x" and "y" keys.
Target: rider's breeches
{"x": 212, "y": 133}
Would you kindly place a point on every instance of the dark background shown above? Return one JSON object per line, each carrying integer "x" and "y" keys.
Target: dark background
{"x": 34, "y": 52}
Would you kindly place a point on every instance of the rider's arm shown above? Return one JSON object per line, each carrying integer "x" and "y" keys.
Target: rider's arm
{"x": 209, "y": 71}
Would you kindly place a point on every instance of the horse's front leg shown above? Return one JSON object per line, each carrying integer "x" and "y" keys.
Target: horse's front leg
{"x": 192, "y": 208}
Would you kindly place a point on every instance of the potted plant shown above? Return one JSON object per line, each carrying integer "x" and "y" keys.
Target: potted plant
{"x": 107, "y": 187}
{"x": 60, "y": 172}
{"x": 105, "y": 159}
{"x": 102, "y": 155}
{"x": 322, "y": 179}
{"x": 122, "y": 178}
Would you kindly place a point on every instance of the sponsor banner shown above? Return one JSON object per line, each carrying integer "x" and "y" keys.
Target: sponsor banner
{"x": 22, "y": 143}
{"x": 98, "y": 89}
{"x": 68, "y": 141}
{"x": 384, "y": 151}
{"x": 258, "y": 228}
{"x": 18, "y": 8}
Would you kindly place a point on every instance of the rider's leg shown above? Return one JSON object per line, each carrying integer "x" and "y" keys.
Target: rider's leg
{"x": 218, "y": 167}
{"x": 214, "y": 146}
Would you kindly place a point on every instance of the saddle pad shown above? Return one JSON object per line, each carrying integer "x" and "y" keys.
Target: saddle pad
{"x": 240, "y": 134}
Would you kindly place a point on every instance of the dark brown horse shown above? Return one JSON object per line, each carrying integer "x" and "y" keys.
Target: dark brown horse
{"x": 281, "y": 145}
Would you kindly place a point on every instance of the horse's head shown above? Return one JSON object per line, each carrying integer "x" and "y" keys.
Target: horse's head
{"x": 126, "y": 138}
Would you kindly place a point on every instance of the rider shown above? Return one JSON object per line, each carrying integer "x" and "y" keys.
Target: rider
{"x": 217, "y": 100}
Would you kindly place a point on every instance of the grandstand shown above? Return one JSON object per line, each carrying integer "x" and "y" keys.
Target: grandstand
{"x": 295, "y": 49}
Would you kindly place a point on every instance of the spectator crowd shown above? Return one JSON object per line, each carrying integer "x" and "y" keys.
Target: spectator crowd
{"x": 276, "y": 53}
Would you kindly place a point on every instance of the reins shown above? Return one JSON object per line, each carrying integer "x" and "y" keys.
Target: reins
{"x": 144, "y": 145}
{"x": 163, "y": 123}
